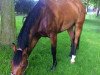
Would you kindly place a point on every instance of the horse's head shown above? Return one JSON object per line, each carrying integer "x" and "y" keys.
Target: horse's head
{"x": 19, "y": 61}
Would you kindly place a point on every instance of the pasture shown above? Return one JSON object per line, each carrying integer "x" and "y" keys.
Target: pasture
{"x": 40, "y": 61}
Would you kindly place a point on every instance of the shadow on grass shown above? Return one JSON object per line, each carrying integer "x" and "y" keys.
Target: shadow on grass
{"x": 93, "y": 22}
{"x": 93, "y": 25}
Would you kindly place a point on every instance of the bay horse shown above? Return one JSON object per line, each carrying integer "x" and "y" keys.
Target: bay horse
{"x": 47, "y": 18}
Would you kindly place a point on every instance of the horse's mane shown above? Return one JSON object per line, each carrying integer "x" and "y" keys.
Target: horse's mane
{"x": 23, "y": 37}
{"x": 33, "y": 16}
{"x": 17, "y": 57}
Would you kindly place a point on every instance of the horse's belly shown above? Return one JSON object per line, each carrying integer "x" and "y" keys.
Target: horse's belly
{"x": 42, "y": 31}
{"x": 66, "y": 25}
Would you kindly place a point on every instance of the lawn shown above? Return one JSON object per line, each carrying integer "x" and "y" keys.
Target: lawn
{"x": 87, "y": 60}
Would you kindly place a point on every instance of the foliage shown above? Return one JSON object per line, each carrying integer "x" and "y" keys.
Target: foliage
{"x": 23, "y": 6}
{"x": 94, "y": 2}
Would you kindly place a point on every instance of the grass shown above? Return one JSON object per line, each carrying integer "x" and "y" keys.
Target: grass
{"x": 87, "y": 60}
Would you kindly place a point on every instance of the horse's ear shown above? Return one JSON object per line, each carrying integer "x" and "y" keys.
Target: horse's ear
{"x": 14, "y": 47}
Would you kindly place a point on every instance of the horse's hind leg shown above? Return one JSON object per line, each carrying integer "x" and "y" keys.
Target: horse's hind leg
{"x": 53, "y": 38}
{"x": 75, "y": 42}
{"x": 78, "y": 43}
{"x": 78, "y": 31}
{"x": 75, "y": 37}
{"x": 71, "y": 32}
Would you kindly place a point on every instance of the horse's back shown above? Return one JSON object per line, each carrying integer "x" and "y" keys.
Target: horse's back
{"x": 67, "y": 12}
{"x": 60, "y": 15}
{"x": 66, "y": 7}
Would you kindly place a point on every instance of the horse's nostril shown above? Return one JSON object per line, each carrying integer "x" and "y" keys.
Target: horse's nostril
{"x": 11, "y": 74}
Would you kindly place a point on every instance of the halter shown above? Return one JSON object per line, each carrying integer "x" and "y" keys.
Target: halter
{"x": 19, "y": 49}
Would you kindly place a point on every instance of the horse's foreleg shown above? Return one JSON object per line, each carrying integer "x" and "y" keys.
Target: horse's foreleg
{"x": 28, "y": 50}
{"x": 53, "y": 38}
{"x": 33, "y": 42}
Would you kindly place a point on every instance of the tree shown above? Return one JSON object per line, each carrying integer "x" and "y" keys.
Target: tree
{"x": 24, "y": 6}
{"x": 96, "y": 3}
{"x": 7, "y": 26}
{"x": 0, "y": 6}
{"x": 98, "y": 6}
{"x": 86, "y": 3}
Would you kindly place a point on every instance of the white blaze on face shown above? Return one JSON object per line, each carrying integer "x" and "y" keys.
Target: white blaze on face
{"x": 73, "y": 59}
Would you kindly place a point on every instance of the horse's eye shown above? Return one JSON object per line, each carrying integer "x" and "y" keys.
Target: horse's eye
{"x": 22, "y": 65}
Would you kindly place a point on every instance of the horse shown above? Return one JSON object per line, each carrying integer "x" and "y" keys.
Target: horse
{"x": 47, "y": 19}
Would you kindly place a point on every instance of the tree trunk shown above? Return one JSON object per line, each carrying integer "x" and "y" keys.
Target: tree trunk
{"x": 98, "y": 6}
{"x": 87, "y": 6}
{"x": 7, "y": 26}
{"x": 98, "y": 11}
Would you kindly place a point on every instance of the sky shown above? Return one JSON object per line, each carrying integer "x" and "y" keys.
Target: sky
{"x": 36, "y": 0}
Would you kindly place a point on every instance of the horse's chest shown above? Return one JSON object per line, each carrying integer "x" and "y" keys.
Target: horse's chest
{"x": 45, "y": 30}
{"x": 46, "y": 26}
{"x": 42, "y": 30}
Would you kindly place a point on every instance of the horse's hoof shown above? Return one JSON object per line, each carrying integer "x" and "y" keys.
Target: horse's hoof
{"x": 53, "y": 68}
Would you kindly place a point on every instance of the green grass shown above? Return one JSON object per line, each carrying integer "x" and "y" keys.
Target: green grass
{"x": 87, "y": 60}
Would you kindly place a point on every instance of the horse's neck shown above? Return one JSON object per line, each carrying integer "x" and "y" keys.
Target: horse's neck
{"x": 48, "y": 1}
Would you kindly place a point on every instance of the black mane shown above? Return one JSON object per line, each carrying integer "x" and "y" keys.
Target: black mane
{"x": 23, "y": 38}
{"x": 17, "y": 57}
